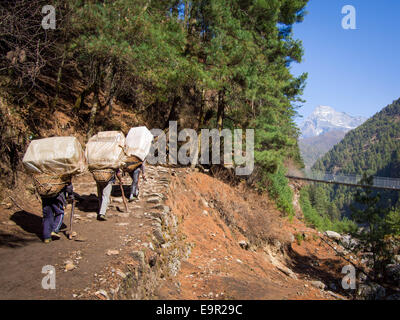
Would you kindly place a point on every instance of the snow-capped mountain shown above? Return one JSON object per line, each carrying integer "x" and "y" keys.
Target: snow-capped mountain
{"x": 325, "y": 119}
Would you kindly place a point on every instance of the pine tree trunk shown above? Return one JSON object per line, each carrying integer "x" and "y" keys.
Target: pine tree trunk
{"x": 186, "y": 18}
{"x": 111, "y": 92}
{"x": 221, "y": 109}
{"x": 93, "y": 112}
{"x": 173, "y": 116}
{"x": 59, "y": 75}
{"x": 200, "y": 124}
{"x": 79, "y": 101}
{"x": 96, "y": 100}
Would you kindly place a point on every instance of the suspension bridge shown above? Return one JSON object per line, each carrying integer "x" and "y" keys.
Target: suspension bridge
{"x": 343, "y": 179}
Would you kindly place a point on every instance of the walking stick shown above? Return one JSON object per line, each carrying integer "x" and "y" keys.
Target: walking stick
{"x": 123, "y": 196}
{"x": 70, "y": 235}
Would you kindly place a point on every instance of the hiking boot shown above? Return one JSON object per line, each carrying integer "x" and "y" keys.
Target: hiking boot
{"x": 131, "y": 198}
{"x": 47, "y": 240}
{"x": 102, "y": 217}
{"x": 55, "y": 235}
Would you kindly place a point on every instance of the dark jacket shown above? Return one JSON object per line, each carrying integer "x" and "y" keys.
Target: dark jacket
{"x": 59, "y": 202}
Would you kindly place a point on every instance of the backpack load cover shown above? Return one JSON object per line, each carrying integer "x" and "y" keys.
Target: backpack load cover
{"x": 104, "y": 153}
{"x": 52, "y": 162}
{"x": 137, "y": 147}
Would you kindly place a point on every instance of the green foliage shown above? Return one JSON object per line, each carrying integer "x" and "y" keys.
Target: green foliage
{"x": 280, "y": 191}
{"x": 374, "y": 149}
{"x": 344, "y": 225}
{"x": 374, "y": 220}
{"x": 240, "y": 49}
{"x": 136, "y": 39}
{"x": 311, "y": 215}
{"x": 299, "y": 238}
{"x": 393, "y": 222}
{"x": 371, "y": 148}
{"x": 202, "y": 62}
{"x": 319, "y": 219}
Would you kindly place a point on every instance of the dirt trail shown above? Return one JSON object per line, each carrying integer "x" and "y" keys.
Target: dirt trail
{"x": 22, "y": 254}
{"x": 190, "y": 236}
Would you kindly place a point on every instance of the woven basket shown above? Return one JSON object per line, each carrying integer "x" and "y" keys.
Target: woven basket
{"x": 50, "y": 186}
{"x": 103, "y": 175}
{"x": 131, "y": 163}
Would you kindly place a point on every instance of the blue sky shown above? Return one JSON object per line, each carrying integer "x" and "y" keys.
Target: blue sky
{"x": 354, "y": 71}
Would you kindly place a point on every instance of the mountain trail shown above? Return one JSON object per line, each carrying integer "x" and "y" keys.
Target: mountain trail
{"x": 190, "y": 236}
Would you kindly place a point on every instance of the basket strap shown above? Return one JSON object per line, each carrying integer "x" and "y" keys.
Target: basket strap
{"x": 37, "y": 181}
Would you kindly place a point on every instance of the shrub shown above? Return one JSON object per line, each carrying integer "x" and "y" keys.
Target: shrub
{"x": 279, "y": 190}
{"x": 320, "y": 220}
{"x": 299, "y": 238}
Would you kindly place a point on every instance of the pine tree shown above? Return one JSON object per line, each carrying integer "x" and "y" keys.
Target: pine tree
{"x": 372, "y": 218}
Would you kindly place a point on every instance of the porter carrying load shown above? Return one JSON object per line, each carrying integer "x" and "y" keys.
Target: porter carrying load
{"x": 137, "y": 147}
{"x": 104, "y": 153}
{"x": 52, "y": 162}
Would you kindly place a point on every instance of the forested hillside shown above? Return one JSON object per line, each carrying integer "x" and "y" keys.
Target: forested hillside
{"x": 204, "y": 63}
{"x": 313, "y": 148}
{"x": 373, "y": 149}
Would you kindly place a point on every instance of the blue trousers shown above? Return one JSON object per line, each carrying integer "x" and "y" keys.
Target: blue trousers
{"x": 53, "y": 215}
{"x": 135, "y": 182}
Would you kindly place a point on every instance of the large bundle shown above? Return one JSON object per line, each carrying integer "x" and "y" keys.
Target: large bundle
{"x": 56, "y": 156}
{"x": 105, "y": 150}
{"x": 138, "y": 142}
{"x": 137, "y": 147}
{"x": 52, "y": 162}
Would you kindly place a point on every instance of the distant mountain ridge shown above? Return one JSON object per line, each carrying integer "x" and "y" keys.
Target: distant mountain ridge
{"x": 322, "y": 129}
{"x": 313, "y": 148}
{"x": 324, "y": 119}
{"x": 372, "y": 148}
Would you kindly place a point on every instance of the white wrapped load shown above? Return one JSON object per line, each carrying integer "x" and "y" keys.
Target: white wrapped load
{"x": 55, "y": 156}
{"x": 105, "y": 150}
{"x": 138, "y": 142}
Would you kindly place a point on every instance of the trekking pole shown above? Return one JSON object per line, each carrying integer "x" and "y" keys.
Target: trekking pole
{"x": 123, "y": 196}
